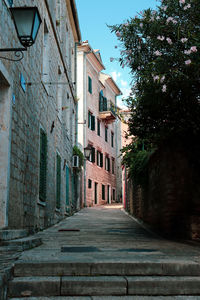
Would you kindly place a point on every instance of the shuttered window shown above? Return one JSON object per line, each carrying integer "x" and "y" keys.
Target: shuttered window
{"x": 89, "y": 85}
{"x": 98, "y": 127}
{"x": 43, "y": 165}
{"x": 106, "y": 134}
{"x": 91, "y": 121}
{"x": 58, "y": 180}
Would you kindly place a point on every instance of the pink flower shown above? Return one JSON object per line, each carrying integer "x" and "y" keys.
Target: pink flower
{"x": 141, "y": 25}
{"x": 164, "y": 8}
{"x": 162, "y": 79}
{"x": 158, "y": 53}
{"x": 188, "y": 62}
{"x": 187, "y": 52}
{"x": 182, "y": 1}
{"x": 164, "y": 88}
{"x": 155, "y": 78}
{"x": 169, "y": 41}
{"x": 187, "y": 6}
{"x": 161, "y": 38}
{"x": 118, "y": 34}
{"x": 193, "y": 49}
{"x": 170, "y": 19}
{"x": 184, "y": 40}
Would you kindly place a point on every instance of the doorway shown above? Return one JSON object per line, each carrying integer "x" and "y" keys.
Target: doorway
{"x": 95, "y": 193}
{"x": 5, "y": 144}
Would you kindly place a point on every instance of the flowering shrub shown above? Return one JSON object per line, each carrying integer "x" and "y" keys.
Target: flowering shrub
{"x": 162, "y": 49}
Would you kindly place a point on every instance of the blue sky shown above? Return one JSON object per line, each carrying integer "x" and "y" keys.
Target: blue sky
{"x": 93, "y": 17}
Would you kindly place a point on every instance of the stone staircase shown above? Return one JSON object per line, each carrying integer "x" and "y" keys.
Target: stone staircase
{"x": 105, "y": 280}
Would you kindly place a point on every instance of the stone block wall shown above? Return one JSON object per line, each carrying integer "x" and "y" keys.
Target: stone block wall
{"x": 34, "y": 108}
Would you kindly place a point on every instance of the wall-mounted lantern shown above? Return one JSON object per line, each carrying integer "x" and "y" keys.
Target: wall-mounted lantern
{"x": 27, "y": 22}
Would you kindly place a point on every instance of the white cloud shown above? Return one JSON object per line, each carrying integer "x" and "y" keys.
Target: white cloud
{"x": 115, "y": 75}
{"x": 123, "y": 82}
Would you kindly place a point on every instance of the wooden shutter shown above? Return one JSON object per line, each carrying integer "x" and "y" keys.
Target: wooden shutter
{"x": 43, "y": 165}
{"x": 93, "y": 154}
{"x": 89, "y": 85}
{"x": 101, "y": 160}
{"x": 92, "y": 122}
{"x": 58, "y": 180}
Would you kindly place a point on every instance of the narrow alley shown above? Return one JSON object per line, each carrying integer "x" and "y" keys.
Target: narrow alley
{"x": 101, "y": 251}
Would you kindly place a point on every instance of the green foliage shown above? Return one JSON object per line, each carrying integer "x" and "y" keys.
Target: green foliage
{"x": 161, "y": 48}
{"x": 136, "y": 157}
{"x": 77, "y": 151}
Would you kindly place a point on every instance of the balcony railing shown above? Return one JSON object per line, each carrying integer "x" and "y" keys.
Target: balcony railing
{"x": 107, "y": 109}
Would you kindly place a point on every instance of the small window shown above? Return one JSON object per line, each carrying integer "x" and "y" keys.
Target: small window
{"x": 112, "y": 139}
{"x": 106, "y": 133}
{"x": 113, "y": 166}
{"x": 107, "y": 163}
{"x": 91, "y": 121}
{"x": 98, "y": 127}
{"x": 103, "y": 192}
{"x": 92, "y": 155}
{"x": 99, "y": 159}
{"x": 89, "y": 183}
{"x": 89, "y": 85}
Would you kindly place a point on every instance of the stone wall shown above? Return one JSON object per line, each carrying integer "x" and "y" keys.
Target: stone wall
{"x": 36, "y": 105}
{"x": 170, "y": 200}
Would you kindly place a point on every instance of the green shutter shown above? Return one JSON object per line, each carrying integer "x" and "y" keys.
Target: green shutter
{"x": 58, "y": 180}
{"x": 108, "y": 164}
{"x": 92, "y": 122}
{"x": 89, "y": 85}
{"x": 93, "y": 154}
{"x": 43, "y": 165}
{"x": 101, "y": 160}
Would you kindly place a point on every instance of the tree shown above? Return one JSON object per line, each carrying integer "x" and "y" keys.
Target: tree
{"x": 161, "y": 48}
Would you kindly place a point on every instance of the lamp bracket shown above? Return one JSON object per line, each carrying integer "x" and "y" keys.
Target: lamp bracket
{"x": 18, "y": 53}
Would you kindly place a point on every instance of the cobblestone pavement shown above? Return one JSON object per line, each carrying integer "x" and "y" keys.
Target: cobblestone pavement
{"x": 106, "y": 233}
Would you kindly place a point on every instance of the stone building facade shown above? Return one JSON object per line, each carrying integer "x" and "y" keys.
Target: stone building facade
{"x": 97, "y": 116}
{"x": 38, "y": 113}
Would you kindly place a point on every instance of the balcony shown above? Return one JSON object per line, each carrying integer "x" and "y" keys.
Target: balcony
{"x": 107, "y": 110}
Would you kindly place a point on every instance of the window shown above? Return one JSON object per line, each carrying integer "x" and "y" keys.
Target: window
{"x": 106, "y": 133}
{"x": 43, "y": 165}
{"x": 58, "y": 180}
{"x": 112, "y": 139}
{"x": 98, "y": 127}
{"x": 91, "y": 121}
{"x": 89, "y": 183}
{"x": 113, "y": 166}
{"x": 107, "y": 163}
{"x": 89, "y": 85}
{"x": 99, "y": 159}
{"x": 92, "y": 155}
{"x": 103, "y": 192}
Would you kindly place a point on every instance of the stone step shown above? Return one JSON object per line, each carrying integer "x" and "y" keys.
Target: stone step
{"x": 111, "y": 298}
{"x": 104, "y": 285}
{"x": 11, "y": 234}
{"x": 24, "y": 243}
{"x": 144, "y": 268}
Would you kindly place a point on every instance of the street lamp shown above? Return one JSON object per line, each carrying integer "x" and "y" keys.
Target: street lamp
{"x": 27, "y": 21}
{"x": 87, "y": 152}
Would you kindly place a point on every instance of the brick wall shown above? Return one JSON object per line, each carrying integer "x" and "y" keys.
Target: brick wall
{"x": 170, "y": 200}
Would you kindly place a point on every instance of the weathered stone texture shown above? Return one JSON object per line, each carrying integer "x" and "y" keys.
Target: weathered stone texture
{"x": 37, "y": 107}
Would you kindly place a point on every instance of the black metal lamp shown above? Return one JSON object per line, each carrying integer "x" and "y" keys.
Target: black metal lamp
{"x": 27, "y": 22}
{"x": 87, "y": 151}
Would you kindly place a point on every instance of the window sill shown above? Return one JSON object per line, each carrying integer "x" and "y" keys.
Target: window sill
{"x": 41, "y": 203}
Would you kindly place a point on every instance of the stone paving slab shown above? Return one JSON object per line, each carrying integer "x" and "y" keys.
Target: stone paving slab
{"x": 163, "y": 285}
{"x": 113, "y": 298}
{"x": 104, "y": 285}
